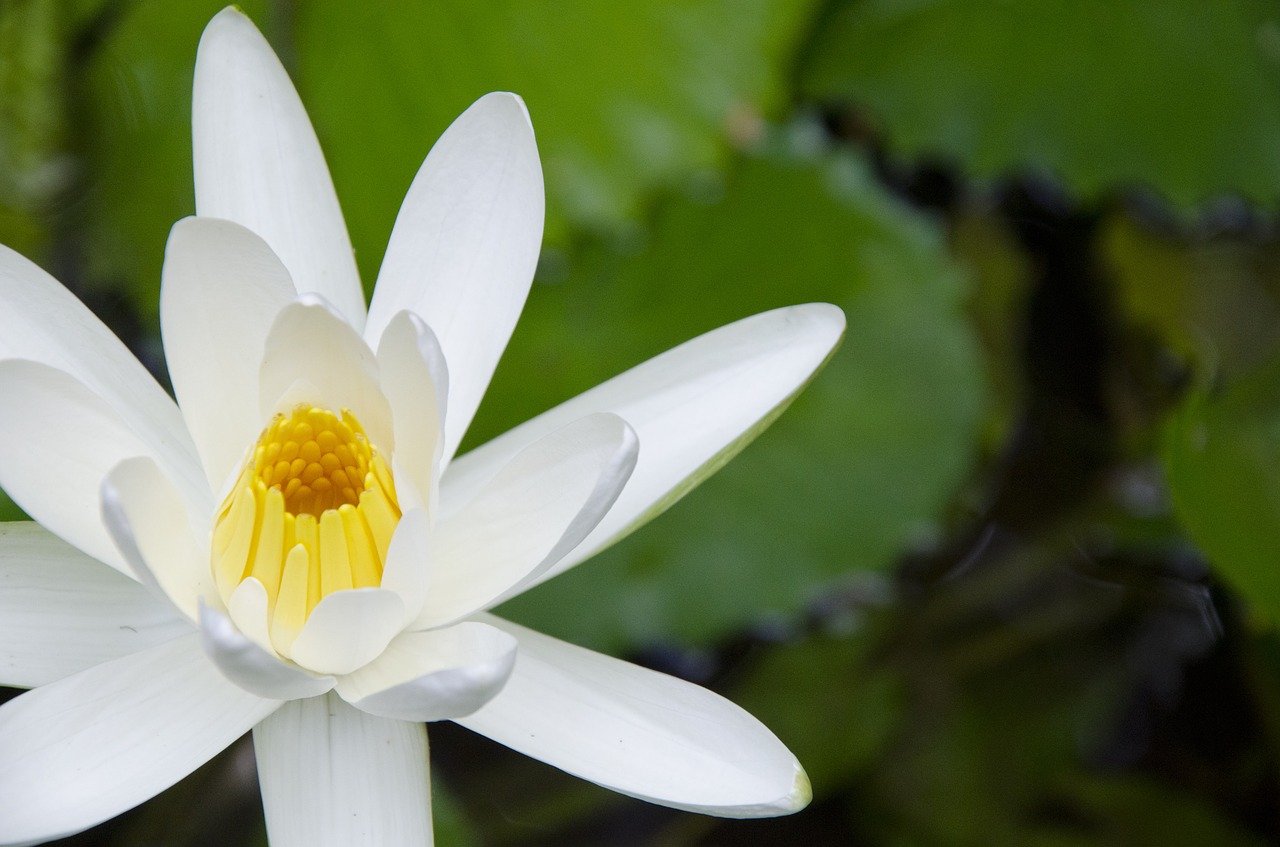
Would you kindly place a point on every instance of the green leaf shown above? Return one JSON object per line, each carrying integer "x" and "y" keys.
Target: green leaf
{"x": 626, "y": 98}
{"x": 1221, "y": 454}
{"x": 856, "y": 470}
{"x": 1180, "y": 95}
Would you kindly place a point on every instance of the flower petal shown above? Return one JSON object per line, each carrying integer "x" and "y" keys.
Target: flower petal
{"x": 248, "y": 665}
{"x": 62, "y": 612}
{"x": 416, "y": 383}
{"x": 407, "y": 571}
{"x": 435, "y": 675}
{"x": 258, "y": 163}
{"x": 221, "y": 292}
{"x": 58, "y": 441}
{"x": 313, "y": 355}
{"x": 331, "y": 774}
{"x": 348, "y": 629}
{"x": 42, "y": 321}
{"x": 465, "y": 245}
{"x": 537, "y": 509}
{"x": 693, "y": 408}
{"x": 639, "y": 732}
{"x": 150, "y": 527}
{"x": 88, "y": 747}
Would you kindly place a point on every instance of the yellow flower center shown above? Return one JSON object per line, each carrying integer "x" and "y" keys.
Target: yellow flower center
{"x": 311, "y": 513}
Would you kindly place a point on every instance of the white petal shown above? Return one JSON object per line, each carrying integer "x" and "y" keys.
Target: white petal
{"x": 537, "y": 509}
{"x": 221, "y": 292}
{"x": 333, "y": 775}
{"x": 693, "y": 408}
{"x": 465, "y": 245}
{"x": 407, "y": 571}
{"x": 62, "y": 612}
{"x": 348, "y": 629}
{"x": 249, "y": 666}
{"x": 416, "y": 383}
{"x": 42, "y": 321}
{"x": 435, "y": 675}
{"x": 147, "y": 521}
{"x": 88, "y": 747}
{"x": 249, "y": 611}
{"x": 257, "y": 162}
{"x": 311, "y": 344}
{"x": 639, "y": 732}
{"x": 58, "y": 441}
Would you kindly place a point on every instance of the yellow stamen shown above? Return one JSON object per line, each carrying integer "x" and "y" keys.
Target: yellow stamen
{"x": 312, "y": 512}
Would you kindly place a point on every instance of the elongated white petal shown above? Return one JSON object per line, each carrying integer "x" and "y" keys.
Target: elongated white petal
{"x": 433, "y": 676}
{"x": 150, "y": 527}
{"x": 310, "y": 344}
{"x": 42, "y": 321}
{"x": 221, "y": 292}
{"x": 407, "y": 571}
{"x": 333, "y": 775}
{"x": 88, "y": 747}
{"x": 416, "y": 383}
{"x": 537, "y": 509}
{"x": 258, "y": 163}
{"x": 58, "y": 441}
{"x": 693, "y": 408}
{"x": 465, "y": 245}
{"x": 249, "y": 666}
{"x": 347, "y": 630}
{"x": 62, "y": 612}
{"x": 639, "y": 732}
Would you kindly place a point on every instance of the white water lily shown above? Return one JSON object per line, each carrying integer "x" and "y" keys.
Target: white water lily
{"x": 292, "y": 548}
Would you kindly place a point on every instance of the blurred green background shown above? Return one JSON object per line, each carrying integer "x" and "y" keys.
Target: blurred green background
{"x": 1008, "y": 572}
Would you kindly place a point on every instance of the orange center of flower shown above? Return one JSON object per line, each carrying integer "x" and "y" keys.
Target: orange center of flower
{"x": 312, "y": 512}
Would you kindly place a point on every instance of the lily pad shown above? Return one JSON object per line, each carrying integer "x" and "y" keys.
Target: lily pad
{"x": 1221, "y": 455}
{"x": 1179, "y": 95}
{"x": 626, "y": 98}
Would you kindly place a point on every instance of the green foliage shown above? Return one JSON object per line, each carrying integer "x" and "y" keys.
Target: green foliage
{"x": 1179, "y": 95}
{"x": 1222, "y": 458}
{"x": 857, "y": 470}
{"x": 625, "y": 98}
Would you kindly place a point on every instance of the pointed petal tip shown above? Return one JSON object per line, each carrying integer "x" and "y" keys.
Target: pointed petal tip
{"x": 825, "y": 317}
{"x": 801, "y": 793}
{"x": 229, "y": 27}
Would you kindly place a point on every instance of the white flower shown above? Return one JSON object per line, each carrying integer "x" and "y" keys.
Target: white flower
{"x": 293, "y": 549}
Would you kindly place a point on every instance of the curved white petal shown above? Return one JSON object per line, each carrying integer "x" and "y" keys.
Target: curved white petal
{"x": 348, "y": 629}
{"x": 415, "y": 381}
{"x": 62, "y": 612}
{"x": 311, "y": 344}
{"x": 407, "y": 571}
{"x": 693, "y": 408}
{"x": 88, "y": 747}
{"x": 258, "y": 163}
{"x": 58, "y": 441}
{"x": 147, "y": 521}
{"x": 42, "y": 321}
{"x": 221, "y": 291}
{"x": 249, "y": 666}
{"x": 248, "y": 609}
{"x": 465, "y": 245}
{"x": 331, "y": 774}
{"x": 538, "y": 508}
{"x": 639, "y": 732}
{"x": 435, "y": 675}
